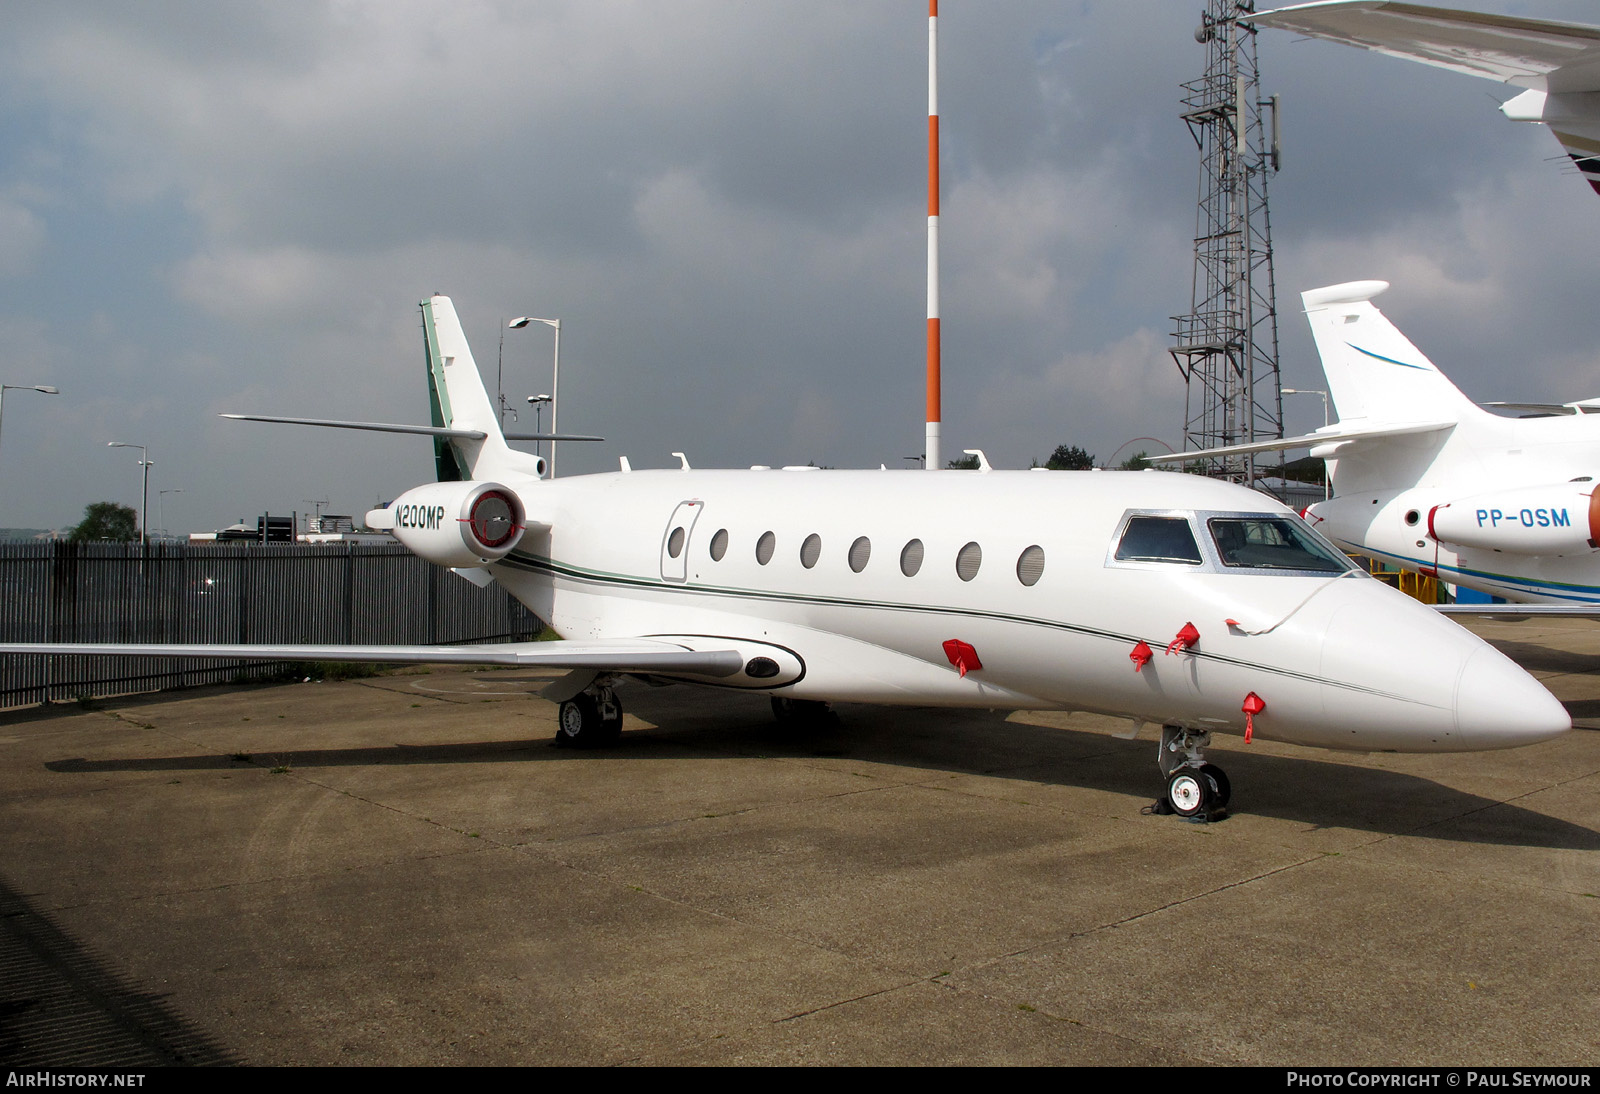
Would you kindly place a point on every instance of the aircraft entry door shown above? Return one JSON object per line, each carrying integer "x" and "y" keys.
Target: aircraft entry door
{"x": 675, "y": 540}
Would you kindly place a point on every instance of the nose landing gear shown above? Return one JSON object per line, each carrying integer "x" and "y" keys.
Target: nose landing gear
{"x": 1196, "y": 790}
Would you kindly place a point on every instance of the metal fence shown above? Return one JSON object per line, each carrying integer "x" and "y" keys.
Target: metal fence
{"x": 112, "y": 592}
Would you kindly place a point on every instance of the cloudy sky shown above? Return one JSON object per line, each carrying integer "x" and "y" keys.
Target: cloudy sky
{"x": 234, "y": 207}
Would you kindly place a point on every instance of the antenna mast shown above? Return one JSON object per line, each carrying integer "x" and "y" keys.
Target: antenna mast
{"x": 1227, "y": 346}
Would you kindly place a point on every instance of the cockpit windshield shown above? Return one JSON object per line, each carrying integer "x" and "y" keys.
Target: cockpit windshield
{"x": 1273, "y": 543}
{"x": 1158, "y": 539}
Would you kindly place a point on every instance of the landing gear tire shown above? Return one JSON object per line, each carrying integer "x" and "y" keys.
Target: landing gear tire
{"x": 1195, "y": 789}
{"x": 1219, "y": 780}
{"x": 589, "y": 721}
{"x": 1188, "y": 791}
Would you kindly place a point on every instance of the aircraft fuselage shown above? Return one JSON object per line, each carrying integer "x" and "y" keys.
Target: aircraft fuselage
{"x": 1339, "y": 660}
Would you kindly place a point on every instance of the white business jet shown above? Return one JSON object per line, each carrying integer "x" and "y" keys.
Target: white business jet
{"x": 1167, "y": 599}
{"x": 1557, "y": 63}
{"x": 1427, "y": 480}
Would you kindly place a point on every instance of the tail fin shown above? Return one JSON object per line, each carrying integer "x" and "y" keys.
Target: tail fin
{"x": 458, "y": 400}
{"x": 1374, "y": 372}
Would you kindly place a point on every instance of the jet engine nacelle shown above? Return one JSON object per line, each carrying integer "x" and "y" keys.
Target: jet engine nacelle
{"x": 1562, "y": 519}
{"x": 455, "y": 524}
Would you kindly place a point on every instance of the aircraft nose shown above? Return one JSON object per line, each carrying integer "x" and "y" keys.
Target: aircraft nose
{"x": 1498, "y": 705}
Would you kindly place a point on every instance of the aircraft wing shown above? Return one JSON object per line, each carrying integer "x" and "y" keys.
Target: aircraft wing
{"x": 1580, "y": 406}
{"x": 1557, "y": 63}
{"x": 1530, "y": 53}
{"x": 1517, "y": 613}
{"x": 623, "y": 655}
{"x": 1336, "y": 434}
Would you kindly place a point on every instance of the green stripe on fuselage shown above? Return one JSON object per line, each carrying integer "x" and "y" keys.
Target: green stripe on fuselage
{"x": 539, "y": 564}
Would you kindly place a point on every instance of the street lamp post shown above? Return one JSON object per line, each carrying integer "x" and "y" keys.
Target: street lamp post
{"x": 144, "y": 505}
{"x": 538, "y": 402}
{"x": 44, "y": 389}
{"x": 160, "y": 516}
{"x": 1310, "y": 391}
{"x": 555, "y": 383}
{"x": 1327, "y": 484}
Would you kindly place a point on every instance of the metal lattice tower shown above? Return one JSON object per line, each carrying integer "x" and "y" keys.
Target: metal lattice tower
{"x": 1227, "y": 346}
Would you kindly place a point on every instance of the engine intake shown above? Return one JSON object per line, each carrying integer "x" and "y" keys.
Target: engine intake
{"x": 455, "y": 524}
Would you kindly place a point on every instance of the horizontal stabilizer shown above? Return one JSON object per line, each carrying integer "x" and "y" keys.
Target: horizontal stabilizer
{"x": 551, "y": 437}
{"x": 420, "y": 430}
{"x": 1332, "y": 435}
{"x": 630, "y": 655}
{"x": 375, "y": 427}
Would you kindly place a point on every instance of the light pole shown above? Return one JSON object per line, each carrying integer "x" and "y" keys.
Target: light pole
{"x": 45, "y": 389}
{"x": 555, "y": 383}
{"x": 1327, "y": 484}
{"x": 537, "y": 402}
{"x": 1310, "y": 391}
{"x": 160, "y": 517}
{"x": 144, "y": 506}
{"x": 499, "y": 377}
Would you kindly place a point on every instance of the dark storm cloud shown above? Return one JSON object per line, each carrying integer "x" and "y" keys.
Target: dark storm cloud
{"x": 224, "y": 207}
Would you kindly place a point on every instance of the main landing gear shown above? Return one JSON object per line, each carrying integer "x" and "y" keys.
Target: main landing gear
{"x": 590, "y": 719}
{"x": 1196, "y": 790}
{"x": 799, "y": 713}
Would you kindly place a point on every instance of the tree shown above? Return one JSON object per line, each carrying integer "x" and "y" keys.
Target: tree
{"x": 963, "y": 463}
{"x": 106, "y": 520}
{"x": 1136, "y": 462}
{"x": 1069, "y": 458}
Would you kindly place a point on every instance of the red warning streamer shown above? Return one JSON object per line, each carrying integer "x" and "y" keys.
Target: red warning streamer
{"x": 1141, "y": 655}
{"x": 1253, "y": 705}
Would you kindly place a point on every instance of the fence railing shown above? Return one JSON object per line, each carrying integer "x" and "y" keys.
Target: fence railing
{"x": 111, "y": 592}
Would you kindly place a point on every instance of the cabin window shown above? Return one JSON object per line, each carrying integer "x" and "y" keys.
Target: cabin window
{"x": 1158, "y": 539}
{"x": 675, "y": 542}
{"x": 765, "y": 546}
{"x": 968, "y": 559}
{"x": 860, "y": 552}
{"x": 810, "y": 550}
{"x": 719, "y": 545}
{"x": 1030, "y": 565}
{"x": 911, "y": 558}
{"x": 1272, "y": 543}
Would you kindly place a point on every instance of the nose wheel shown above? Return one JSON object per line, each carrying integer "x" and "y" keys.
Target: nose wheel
{"x": 1196, "y": 789}
{"x": 590, "y": 719}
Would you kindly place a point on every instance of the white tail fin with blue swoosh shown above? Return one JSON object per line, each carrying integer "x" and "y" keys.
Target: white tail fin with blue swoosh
{"x": 1374, "y": 372}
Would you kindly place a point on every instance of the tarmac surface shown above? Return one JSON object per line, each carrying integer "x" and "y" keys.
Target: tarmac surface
{"x": 403, "y": 870}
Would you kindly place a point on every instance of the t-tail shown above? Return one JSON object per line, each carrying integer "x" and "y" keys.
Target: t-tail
{"x": 458, "y": 401}
{"x": 1375, "y": 375}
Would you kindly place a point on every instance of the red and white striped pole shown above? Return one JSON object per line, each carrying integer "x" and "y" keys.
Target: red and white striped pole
{"x": 931, "y": 441}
